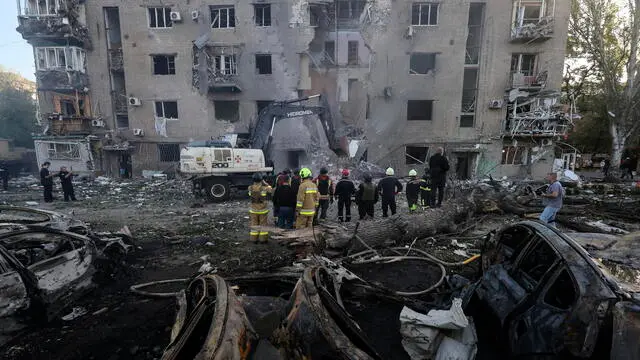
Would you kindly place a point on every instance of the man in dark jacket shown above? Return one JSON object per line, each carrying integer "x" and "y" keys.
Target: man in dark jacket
{"x": 67, "y": 186}
{"x": 388, "y": 188}
{"x": 366, "y": 197}
{"x": 344, "y": 190}
{"x": 285, "y": 200}
{"x": 325, "y": 188}
{"x": 4, "y": 176}
{"x": 46, "y": 179}
{"x": 425, "y": 190}
{"x": 439, "y": 166}
{"x": 413, "y": 190}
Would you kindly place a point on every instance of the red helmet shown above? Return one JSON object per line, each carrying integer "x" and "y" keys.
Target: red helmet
{"x": 345, "y": 172}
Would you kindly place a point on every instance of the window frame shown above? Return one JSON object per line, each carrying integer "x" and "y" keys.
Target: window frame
{"x": 428, "y": 4}
{"x": 270, "y": 63}
{"x": 420, "y": 53}
{"x": 255, "y": 14}
{"x": 519, "y": 148}
{"x": 166, "y": 13}
{"x": 520, "y": 56}
{"x": 164, "y": 111}
{"x": 408, "y": 156}
{"x": 431, "y": 102}
{"x": 521, "y": 276}
{"x": 220, "y": 65}
{"x": 558, "y": 272}
{"x": 171, "y": 58}
{"x": 353, "y": 60}
{"x": 218, "y": 9}
{"x": 74, "y": 58}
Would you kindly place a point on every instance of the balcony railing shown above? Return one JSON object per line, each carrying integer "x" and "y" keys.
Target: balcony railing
{"x": 532, "y": 32}
{"x": 53, "y": 27}
{"x": 527, "y": 80}
{"x": 68, "y": 124}
{"x": 119, "y": 102}
{"x": 555, "y": 126}
{"x": 61, "y": 80}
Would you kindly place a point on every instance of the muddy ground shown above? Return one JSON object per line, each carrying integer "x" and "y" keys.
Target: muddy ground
{"x": 174, "y": 232}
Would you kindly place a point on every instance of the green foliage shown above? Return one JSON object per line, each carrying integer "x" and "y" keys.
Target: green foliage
{"x": 17, "y": 109}
{"x": 591, "y": 132}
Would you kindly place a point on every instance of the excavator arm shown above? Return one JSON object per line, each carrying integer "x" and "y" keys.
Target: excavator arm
{"x": 262, "y": 133}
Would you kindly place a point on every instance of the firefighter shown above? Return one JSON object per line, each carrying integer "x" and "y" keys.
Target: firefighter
{"x": 344, "y": 190}
{"x": 307, "y": 201}
{"x": 425, "y": 190}
{"x": 413, "y": 190}
{"x": 259, "y": 212}
{"x": 325, "y": 188}
{"x": 366, "y": 197}
{"x": 389, "y": 187}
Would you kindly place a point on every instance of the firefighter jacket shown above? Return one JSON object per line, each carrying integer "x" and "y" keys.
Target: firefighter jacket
{"x": 259, "y": 195}
{"x": 308, "y": 198}
{"x": 413, "y": 189}
{"x": 425, "y": 183}
{"x": 325, "y": 186}
{"x": 389, "y": 187}
{"x": 345, "y": 189}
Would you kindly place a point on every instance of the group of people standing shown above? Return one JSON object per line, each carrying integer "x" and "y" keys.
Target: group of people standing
{"x": 300, "y": 200}
{"x": 65, "y": 176}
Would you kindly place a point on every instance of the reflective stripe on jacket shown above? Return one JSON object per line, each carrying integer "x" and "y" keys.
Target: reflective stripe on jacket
{"x": 259, "y": 204}
{"x": 308, "y": 198}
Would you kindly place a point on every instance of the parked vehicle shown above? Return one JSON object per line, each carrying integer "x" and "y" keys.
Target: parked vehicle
{"x": 542, "y": 295}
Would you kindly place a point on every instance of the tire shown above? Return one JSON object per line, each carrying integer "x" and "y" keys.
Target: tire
{"x": 218, "y": 190}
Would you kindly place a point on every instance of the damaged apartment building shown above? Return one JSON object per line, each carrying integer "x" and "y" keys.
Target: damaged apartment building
{"x": 122, "y": 86}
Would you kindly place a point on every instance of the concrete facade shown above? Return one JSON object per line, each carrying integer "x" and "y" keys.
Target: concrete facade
{"x": 365, "y": 75}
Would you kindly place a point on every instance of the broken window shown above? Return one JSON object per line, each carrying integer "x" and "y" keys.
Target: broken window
{"x": 514, "y": 240}
{"x": 314, "y": 14}
{"x": 223, "y": 16}
{"x": 562, "y": 293}
{"x": 466, "y": 121}
{"x": 67, "y": 107}
{"x": 352, "y": 52}
{"x": 262, "y": 14}
{"x": 160, "y": 17}
{"x": 122, "y": 122}
{"x": 164, "y": 65}
{"x": 261, "y": 104}
{"x": 59, "y": 57}
{"x": 263, "y": 64}
{"x": 330, "y": 51}
{"x": 419, "y": 109}
{"x": 43, "y": 7}
{"x": 63, "y": 151}
{"x": 167, "y": 110}
{"x": 424, "y": 14}
{"x": 513, "y": 155}
{"x": 469, "y": 90}
{"x": 169, "y": 152}
{"x": 226, "y": 65}
{"x": 529, "y": 12}
{"x": 415, "y": 154}
{"x": 422, "y": 63}
{"x": 474, "y": 35}
{"x": 524, "y": 64}
{"x": 350, "y": 9}
{"x": 228, "y": 110}
{"x": 535, "y": 264}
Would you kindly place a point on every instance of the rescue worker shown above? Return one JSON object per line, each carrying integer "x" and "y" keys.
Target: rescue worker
{"x": 258, "y": 211}
{"x": 413, "y": 190}
{"x": 325, "y": 188}
{"x": 285, "y": 200}
{"x": 307, "y": 201}
{"x": 67, "y": 186}
{"x": 425, "y": 190}
{"x": 345, "y": 188}
{"x": 389, "y": 187}
{"x": 366, "y": 197}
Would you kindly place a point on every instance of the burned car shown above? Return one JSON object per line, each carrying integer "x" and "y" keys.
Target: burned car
{"x": 29, "y": 216}
{"x": 542, "y": 295}
{"x": 42, "y": 270}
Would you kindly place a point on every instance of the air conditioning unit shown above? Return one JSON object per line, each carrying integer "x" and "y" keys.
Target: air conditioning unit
{"x": 138, "y": 132}
{"x": 97, "y": 123}
{"x": 410, "y": 32}
{"x": 175, "y": 16}
{"x": 495, "y": 104}
{"x": 134, "y": 101}
{"x": 547, "y": 142}
{"x": 195, "y": 14}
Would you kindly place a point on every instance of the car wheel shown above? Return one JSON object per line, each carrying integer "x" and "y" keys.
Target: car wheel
{"x": 218, "y": 190}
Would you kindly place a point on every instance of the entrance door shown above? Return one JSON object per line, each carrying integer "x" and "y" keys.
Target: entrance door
{"x": 463, "y": 165}
{"x": 125, "y": 166}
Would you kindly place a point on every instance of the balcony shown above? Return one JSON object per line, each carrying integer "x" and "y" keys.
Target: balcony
{"x": 120, "y": 104}
{"x": 533, "y": 32}
{"x": 530, "y": 126}
{"x": 61, "y": 80}
{"x": 221, "y": 71}
{"x": 63, "y": 125}
{"x": 527, "y": 80}
{"x": 219, "y": 82}
{"x": 116, "y": 62}
{"x": 53, "y": 27}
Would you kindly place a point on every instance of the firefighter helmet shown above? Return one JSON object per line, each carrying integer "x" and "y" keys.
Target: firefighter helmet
{"x": 413, "y": 173}
{"x": 390, "y": 172}
{"x": 345, "y": 172}
{"x": 305, "y": 173}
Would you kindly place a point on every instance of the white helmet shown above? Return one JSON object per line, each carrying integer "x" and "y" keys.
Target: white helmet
{"x": 413, "y": 173}
{"x": 390, "y": 171}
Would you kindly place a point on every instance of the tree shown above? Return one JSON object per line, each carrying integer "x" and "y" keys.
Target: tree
{"x": 606, "y": 36}
{"x": 17, "y": 109}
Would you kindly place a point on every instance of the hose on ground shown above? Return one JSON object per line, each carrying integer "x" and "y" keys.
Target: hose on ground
{"x": 136, "y": 288}
{"x": 422, "y": 252}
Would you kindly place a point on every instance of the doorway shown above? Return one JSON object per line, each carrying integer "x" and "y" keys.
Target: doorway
{"x": 125, "y": 166}
{"x": 464, "y": 162}
{"x": 295, "y": 158}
